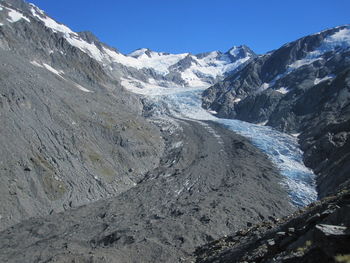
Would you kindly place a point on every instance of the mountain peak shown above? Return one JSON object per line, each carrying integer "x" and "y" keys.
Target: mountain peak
{"x": 139, "y": 52}
{"x": 88, "y": 36}
{"x": 240, "y": 51}
{"x": 206, "y": 54}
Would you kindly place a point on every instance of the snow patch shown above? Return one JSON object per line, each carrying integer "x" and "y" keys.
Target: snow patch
{"x": 50, "y": 23}
{"x": 302, "y": 62}
{"x": 15, "y": 16}
{"x": 178, "y": 192}
{"x": 319, "y": 80}
{"x": 177, "y": 145}
{"x": 211, "y": 66}
{"x": 338, "y": 39}
{"x": 236, "y": 100}
{"x": 36, "y": 64}
{"x": 213, "y": 112}
{"x": 82, "y": 88}
{"x": 282, "y": 90}
{"x": 234, "y": 51}
{"x": 115, "y": 57}
{"x": 265, "y": 86}
{"x": 49, "y": 68}
{"x": 160, "y": 62}
{"x": 58, "y": 73}
{"x": 37, "y": 9}
{"x": 262, "y": 123}
{"x": 90, "y": 49}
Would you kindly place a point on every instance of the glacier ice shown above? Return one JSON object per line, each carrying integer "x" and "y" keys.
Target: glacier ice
{"x": 282, "y": 149}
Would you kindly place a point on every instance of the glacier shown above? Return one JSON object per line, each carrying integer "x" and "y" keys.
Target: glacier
{"x": 183, "y": 100}
{"x": 282, "y": 149}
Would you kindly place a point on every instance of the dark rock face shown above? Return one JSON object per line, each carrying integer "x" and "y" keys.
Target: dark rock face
{"x": 303, "y": 87}
{"x": 278, "y": 69}
{"x": 240, "y": 52}
{"x": 318, "y": 233}
{"x": 325, "y": 140}
{"x": 183, "y": 64}
{"x": 272, "y": 69}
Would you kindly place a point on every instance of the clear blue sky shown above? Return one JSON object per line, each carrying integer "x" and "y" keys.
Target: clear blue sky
{"x": 195, "y": 26}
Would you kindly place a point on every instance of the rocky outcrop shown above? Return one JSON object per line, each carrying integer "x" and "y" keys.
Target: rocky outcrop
{"x": 317, "y": 233}
{"x": 326, "y": 133}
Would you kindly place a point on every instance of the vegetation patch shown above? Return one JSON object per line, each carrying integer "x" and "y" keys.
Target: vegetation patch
{"x": 54, "y": 188}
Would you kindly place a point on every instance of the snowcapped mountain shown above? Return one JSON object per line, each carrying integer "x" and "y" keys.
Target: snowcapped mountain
{"x": 154, "y": 68}
{"x": 319, "y": 55}
{"x": 183, "y": 70}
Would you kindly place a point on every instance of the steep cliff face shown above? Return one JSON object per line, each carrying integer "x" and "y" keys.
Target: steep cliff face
{"x": 303, "y": 89}
{"x": 324, "y": 114}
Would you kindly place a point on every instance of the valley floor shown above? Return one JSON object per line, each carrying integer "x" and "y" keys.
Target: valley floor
{"x": 211, "y": 182}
